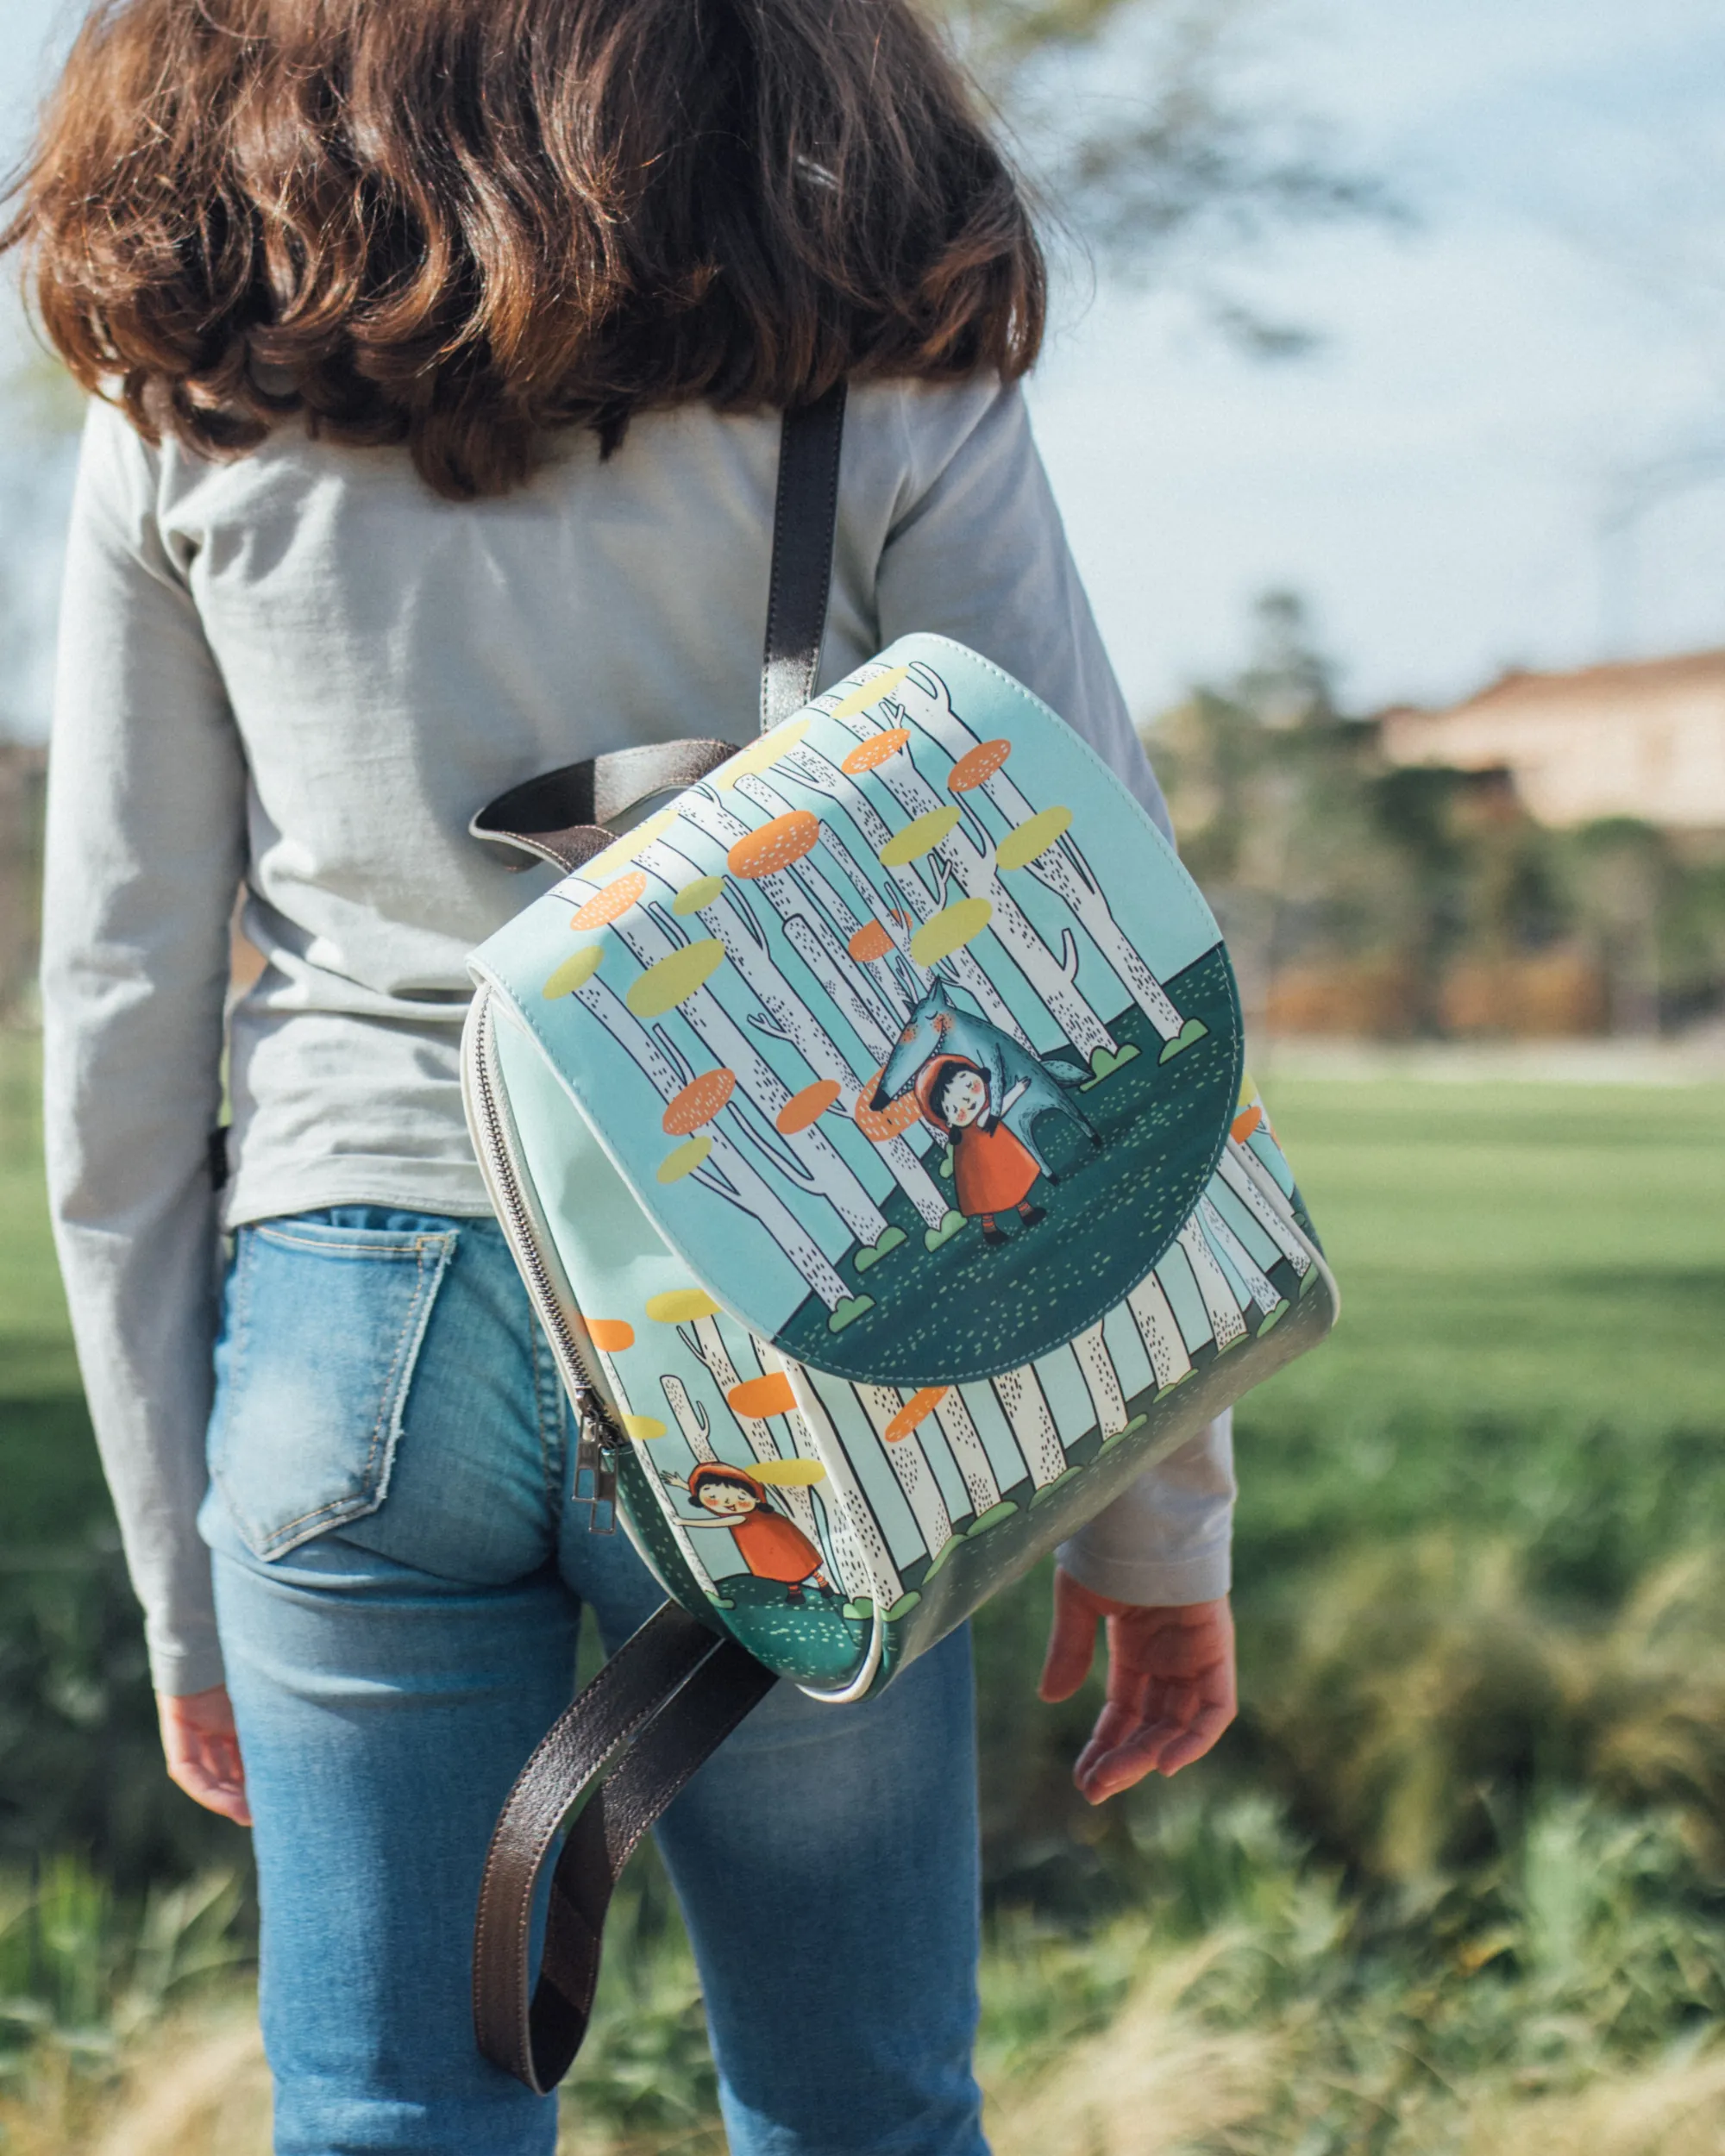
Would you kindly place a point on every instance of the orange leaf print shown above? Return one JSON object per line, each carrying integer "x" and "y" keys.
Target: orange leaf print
{"x": 612, "y": 1334}
{"x": 867, "y": 755}
{"x": 759, "y": 1397}
{"x": 775, "y": 846}
{"x": 882, "y": 1124}
{"x": 806, "y": 1107}
{"x": 870, "y": 941}
{"x": 978, "y": 766}
{"x": 699, "y": 1102}
{"x": 915, "y": 1411}
{"x": 613, "y": 903}
{"x": 917, "y": 1408}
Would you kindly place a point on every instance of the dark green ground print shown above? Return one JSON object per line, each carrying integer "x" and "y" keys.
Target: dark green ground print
{"x": 812, "y": 1642}
{"x": 966, "y": 1311}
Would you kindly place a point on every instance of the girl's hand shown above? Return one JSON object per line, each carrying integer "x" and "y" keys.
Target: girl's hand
{"x": 203, "y": 1751}
{"x": 1170, "y": 1683}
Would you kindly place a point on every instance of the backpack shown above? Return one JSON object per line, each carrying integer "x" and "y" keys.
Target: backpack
{"x": 867, "y": 1122}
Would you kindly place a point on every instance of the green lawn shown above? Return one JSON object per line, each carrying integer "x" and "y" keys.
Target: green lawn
{"x": 48, "y": 1462}
{"x": 1460, "y": 1864}
{"x": 35, "y": 1345}
{"x": 1516, "y": 1249}
{"x": 1532, "y": 1343}
{"x": 1551, "y": 1257}
{"x": 1533, "y": 1332}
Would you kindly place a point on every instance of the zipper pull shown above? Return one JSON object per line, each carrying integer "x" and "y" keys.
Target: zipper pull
{"x": 602, "y": 1517}
{"x": 595, "y": 1485}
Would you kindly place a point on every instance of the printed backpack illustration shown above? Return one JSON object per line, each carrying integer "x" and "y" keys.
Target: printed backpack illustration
{"x": 869, "y": 1126}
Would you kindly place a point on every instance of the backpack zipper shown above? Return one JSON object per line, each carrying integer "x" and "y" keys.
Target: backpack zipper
{"x": 599, "y": 1441}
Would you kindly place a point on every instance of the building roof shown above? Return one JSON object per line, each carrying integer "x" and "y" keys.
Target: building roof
{"x": 1643, "y": 738}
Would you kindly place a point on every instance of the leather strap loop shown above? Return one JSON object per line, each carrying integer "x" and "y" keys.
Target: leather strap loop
{"x": 667, "y": 1698}
{"x": 566, "y": 817}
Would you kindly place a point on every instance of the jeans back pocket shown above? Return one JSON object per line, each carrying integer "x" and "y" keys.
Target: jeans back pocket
{"x": 321, "y": 1326}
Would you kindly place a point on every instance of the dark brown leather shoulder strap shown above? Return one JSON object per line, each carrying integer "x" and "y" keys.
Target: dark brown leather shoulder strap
{"x": 664, "y": 1702}
{"x": 564, "y": 816}
{"x": 805, "y": 520}
{"x": 672, "y": 1693}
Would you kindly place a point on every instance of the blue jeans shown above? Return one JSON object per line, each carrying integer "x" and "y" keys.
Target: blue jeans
{"x": 400, "y": 1574}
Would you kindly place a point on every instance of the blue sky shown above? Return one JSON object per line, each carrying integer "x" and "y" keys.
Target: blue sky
{"x": 1440, "y": 478}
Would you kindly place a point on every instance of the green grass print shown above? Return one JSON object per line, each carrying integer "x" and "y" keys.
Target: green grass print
{"x": 1110, "y": 1203}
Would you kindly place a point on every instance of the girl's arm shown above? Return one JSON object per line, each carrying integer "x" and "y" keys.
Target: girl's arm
{"x": 1166, "y": 1538}
{"x": 146, "y": 847}
{"x": 978, "y": 553}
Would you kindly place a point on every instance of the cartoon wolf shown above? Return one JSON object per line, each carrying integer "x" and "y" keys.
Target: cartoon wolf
{"x": 1020, "y": 1086}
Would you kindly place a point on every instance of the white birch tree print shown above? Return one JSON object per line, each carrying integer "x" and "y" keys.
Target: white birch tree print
{"x": 1060, "y": 866}
{"x": 785, "y": 1015}
{"x": 970, "y": 1455}
{"x": 815, "y": 1165}
{"x": 909, "y": 1463}
{"x": 873, "y": 1021}
{"x": 1241, "y": 1172}
{"x": 1025, "y": 1405}
{"x": 725, "y": 1171}
{"x": 965, "y": 857}
{"x": 855, "y": 1520}
{"x": 1222, "y": 1309}
{"x": 824, "y": 777}
{"x": 1259, "y": 1285}
{"x": 1171, "y": 1361}
{"x": 1103, "y": 1383}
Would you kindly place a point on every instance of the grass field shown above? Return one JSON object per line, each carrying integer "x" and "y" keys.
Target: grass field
{"x": 1520, "y": 1250}
{"x": 1455, "y": 1882}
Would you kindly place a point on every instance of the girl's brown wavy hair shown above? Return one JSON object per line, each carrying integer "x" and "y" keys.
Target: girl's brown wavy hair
{"x": 460, "y": 224}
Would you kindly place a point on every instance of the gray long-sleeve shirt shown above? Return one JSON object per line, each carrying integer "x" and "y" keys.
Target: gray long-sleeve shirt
{"x": 303, "y": 671}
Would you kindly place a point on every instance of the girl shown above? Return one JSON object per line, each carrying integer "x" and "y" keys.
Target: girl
{"x": 992, "y": 1170}
{"x": 436, "y": 349}
{"x": 773, "y": 1547}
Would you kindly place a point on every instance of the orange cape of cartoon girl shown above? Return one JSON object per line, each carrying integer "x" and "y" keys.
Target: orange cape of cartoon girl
{"x": 773, "y": 1547}
{"x": 992, "y": 1171}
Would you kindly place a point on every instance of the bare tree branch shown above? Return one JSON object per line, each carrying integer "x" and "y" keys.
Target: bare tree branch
{"x": 1136, "y": 120}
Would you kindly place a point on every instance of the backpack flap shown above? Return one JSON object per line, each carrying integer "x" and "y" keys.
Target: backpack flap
{"x": 911, "y": 963}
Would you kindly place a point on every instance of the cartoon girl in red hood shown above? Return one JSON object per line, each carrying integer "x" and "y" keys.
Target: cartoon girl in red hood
{"x": 992, "y": 1171}
{"x": 773, "y": 1547}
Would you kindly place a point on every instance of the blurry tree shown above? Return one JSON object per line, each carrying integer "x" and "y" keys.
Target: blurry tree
{"x": 1620, "y": 872}
{"x": 41, "y": 412}
{"x": 1140, "y": 120}
{"x": 1655, "y": 222}
{"x": 1359, "y": 898}
{"x": 1270, "y": 787}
